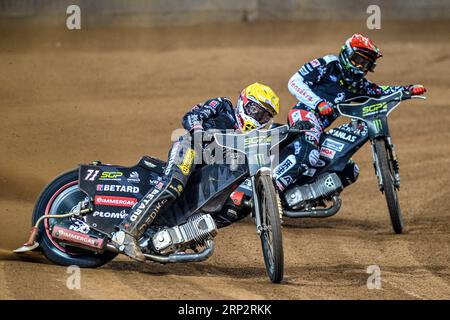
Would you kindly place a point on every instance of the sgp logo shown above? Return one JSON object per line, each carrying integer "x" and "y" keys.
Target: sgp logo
{"x": 111, "y": 175}
{"x": 380, "y": 107}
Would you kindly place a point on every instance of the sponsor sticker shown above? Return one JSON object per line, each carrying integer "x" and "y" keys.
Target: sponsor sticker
{"x": 313, "y": 157}
{"x": 285, "y": 166}
{"x": 111, "y": 175}
{"x": 159, "y": 185}
{"x": 185, "y": 167}
{"x": 328, "y": 153}
{"x": 154, "y": 182}
{"x": 73, "y": 236}
{"x": 374, "y": 109}
{"x": 315, "y": 63}
{"x": 286, "y": 180}
{"x": 301, "y": 91}
{"x": 213, "y": 103}
{"x": 247, "y": 184}
{"x": 134, "y": 177}
{"x": 91, "y": 174}
{"x": 333, "y": 144}
{"x": 297, "y": 147}
{"x": 111, "y": 215}
{"x": 303, "y": 71}
{"x": 147, "y": 200}
{"x": 343, "y": 135}
{"x": 171, "y": 160}
{"x": 114, "y": 201}
{"x": 117, "y": 188}
{"x": 79, "y": 226}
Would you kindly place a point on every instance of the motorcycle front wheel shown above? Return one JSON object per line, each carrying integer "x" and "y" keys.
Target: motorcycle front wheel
{"x": 271, "y": 238}
{"x": 389, "y": 189}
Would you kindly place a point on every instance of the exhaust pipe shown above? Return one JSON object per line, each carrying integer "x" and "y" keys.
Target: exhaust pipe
{"x": 317, "y": 213}
{"x": 31, "y": 244}
{"x": 184, "y": 257}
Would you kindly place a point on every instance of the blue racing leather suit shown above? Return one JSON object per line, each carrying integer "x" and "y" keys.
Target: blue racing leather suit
{"x": 320, "y": 80}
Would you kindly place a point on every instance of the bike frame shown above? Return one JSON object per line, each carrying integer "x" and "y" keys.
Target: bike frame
{"x": 374, "y": 112}
{"x": 257, "y": 146}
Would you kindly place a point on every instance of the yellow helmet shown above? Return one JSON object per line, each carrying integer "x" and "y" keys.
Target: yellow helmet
{"x": 256, "y": 106}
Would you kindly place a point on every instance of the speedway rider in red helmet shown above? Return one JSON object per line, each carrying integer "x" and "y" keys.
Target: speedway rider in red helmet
{"x": 321, "y": 84}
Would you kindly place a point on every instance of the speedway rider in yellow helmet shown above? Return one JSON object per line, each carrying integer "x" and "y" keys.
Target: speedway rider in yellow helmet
{"x": 257, "y": 105}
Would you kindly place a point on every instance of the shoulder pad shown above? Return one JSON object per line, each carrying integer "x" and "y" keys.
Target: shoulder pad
{"x": 330, "y": 58}
{"x": 322, "y": 61}
{"x": 213, "y": 102}
{"x": 225, "y": 100}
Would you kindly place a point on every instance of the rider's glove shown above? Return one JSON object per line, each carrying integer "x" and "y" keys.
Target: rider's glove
{"x": 416, "y": 89}
{"x": 325, "y": 108}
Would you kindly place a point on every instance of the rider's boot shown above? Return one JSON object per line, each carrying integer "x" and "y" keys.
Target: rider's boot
{"x": 141, "y": 216}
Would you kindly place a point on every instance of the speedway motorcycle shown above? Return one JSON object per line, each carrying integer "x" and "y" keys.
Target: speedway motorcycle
{"x": 75, "y": 216}
{"x": 317, "y": 194}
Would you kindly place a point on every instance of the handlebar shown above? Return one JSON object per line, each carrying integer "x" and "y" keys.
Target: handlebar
{"x": 405, "y": 96}
{"x": 297, "y": 131}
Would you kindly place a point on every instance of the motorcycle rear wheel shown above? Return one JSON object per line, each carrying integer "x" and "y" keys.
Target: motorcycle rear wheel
{"x": 58, "y": 197}
{"x": 389, "y": 189}
{"x": 271, "y": 237}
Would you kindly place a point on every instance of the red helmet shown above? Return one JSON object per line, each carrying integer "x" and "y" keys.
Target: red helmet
{"x": 358, "y": 56}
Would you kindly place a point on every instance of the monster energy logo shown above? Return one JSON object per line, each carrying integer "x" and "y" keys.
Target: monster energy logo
{"x": 378, "y": 125}
{"x": 260, "y": 159}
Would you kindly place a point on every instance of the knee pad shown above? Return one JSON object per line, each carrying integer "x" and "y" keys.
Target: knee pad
{"x": 175, "y": 188}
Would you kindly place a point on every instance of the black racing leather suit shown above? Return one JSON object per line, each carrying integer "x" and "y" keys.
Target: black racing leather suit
{"x": 217, "y": 113}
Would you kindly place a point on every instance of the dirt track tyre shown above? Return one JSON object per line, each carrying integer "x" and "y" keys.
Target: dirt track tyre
{"x": 271, "y": 238}
{"x": 390, "y": 191}
{"x": 60, "y": 196}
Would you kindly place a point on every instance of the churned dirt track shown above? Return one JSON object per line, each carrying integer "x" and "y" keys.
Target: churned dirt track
{"x": 115, "y": 94}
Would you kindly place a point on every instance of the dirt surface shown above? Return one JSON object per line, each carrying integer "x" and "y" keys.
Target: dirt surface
{"x": 69, "y": 97}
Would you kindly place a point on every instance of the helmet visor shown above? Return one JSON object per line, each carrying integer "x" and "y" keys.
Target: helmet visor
{"x": 257, "y": 112}
{"x": 362, "y": 62}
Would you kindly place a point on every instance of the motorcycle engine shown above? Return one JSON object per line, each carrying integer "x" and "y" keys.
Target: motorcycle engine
{"x": 324, "y": 187}
{"x": 196, "y": 230}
